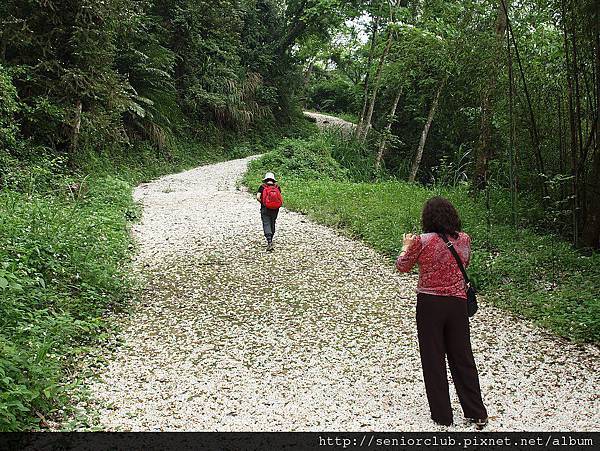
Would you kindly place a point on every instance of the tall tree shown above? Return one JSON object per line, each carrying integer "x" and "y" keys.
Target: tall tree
{"x": 419, "y": 153}
{"x": 591, "y": 230}
{"x": 388, "y": 131}
{"x": 373, "y": 40}
{"x": 365, "y": 120}
{"x": 483, "y": 149}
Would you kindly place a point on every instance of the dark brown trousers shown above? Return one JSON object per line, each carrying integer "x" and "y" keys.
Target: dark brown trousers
{"x": 443, "y": 330}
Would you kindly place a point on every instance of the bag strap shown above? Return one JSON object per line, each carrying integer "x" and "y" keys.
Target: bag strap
{"x": 262, "y": 193}
{"x": 450, "y": 247}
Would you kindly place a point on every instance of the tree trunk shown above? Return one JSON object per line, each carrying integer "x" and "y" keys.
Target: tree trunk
{"x": 512, "y": 133}
{"x": 573, "y": 132}
{"x": 419, "y": 155}
{"x": 367, "y": 77}
{"x": 295, "y": 29}
{"x": 307, "y": 75}
{"x": 308, "y": 72}
{"x": 76, "y": 128}
{"x": 483, "y": 150}
{"x": 590, "y": 236}
{"x": 581, "y": 188}
{"x": 388, "y": 131}
{"x": 366, "y": 123}
{"x": 533, "y": 130}
{"x": 591, "y": 231}
{"x": 561, "y": 145}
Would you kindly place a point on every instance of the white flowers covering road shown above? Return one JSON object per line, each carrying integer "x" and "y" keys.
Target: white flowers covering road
{"x": 318, "y": 335}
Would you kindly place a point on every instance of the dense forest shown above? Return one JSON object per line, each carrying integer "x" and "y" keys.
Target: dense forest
{"x": 86, "y": 76}
{"x": 494, "y": 103}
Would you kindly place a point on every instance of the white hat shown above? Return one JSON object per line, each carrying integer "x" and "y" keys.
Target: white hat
{"x": 269, "y": 176}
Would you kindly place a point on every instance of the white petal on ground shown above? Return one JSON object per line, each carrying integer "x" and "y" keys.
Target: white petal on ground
{"x": 331, "y": 122}
{"x": 318, "y": 335}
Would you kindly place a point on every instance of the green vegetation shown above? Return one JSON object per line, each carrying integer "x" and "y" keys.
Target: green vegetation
{"x": 538, "y": 276}
{"x": 335, "y": 95}
{"x": 62, "y": 273}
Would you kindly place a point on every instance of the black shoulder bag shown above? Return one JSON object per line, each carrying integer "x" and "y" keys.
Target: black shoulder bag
{"x": 471, "y": 293}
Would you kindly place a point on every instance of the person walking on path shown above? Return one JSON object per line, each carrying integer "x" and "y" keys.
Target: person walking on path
{"x": 269, "y": 196}
{"x": 442, "y": 320}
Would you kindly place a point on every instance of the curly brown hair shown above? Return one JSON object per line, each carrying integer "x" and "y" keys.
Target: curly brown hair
{"x": 440, "y": 216}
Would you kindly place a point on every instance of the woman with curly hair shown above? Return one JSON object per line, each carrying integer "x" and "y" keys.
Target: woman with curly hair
{"x": 442, "y": 321}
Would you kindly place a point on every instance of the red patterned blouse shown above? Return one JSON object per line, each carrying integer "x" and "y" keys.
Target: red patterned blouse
{"x": 438, "y": 271}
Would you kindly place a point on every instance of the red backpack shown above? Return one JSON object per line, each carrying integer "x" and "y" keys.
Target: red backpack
{"x": 271, "y": 197}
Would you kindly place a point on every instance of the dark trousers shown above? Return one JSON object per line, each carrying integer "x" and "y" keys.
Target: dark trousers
{"x": 443, "y": 330}
{"x": 268, "y": 220}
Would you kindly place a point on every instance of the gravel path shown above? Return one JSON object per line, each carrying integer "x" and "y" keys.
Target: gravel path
{"x": 331, "y": 122}
{"x": 318, "y": 335}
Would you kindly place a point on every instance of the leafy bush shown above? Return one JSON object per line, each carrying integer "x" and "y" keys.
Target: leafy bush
{"x": 8, "y": 107}
{"x": 301, "y": 158}
{"x": 36, "y": 170}
{"x": 61, "y": 271}
{"x": 336, "y": 95}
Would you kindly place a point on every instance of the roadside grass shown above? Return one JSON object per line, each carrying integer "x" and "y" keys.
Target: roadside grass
{"x": 62, "y": 273}
{"x": 536, "y": 276}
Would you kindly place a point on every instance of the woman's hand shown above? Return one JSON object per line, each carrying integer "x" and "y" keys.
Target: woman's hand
{"x": 407, "y": 258}
{"x": 408, "y": 239}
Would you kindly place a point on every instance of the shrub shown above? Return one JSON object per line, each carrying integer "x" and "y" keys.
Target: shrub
{"x": 336, "y": 95}
{"x": 301, "y": 158}
{"x": 8, "y": 107}
{"x": 61, "y": 272}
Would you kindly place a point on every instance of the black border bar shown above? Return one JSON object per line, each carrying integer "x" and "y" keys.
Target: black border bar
{"x": 292, "y": 441}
